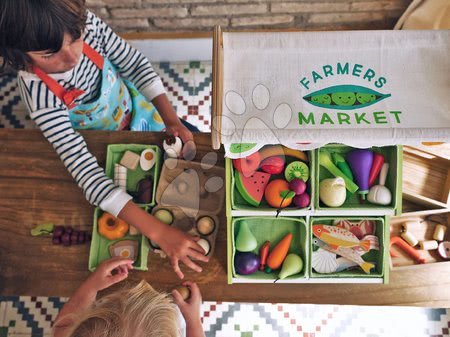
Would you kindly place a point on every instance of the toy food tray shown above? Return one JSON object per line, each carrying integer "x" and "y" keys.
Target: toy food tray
{"x": 327, "y": 261}
{"x": 421, "y": 227}
{"x": 114, "y": 155}
{"x": 271, "y": 229}
{"x": 99, "y": 250}
{"x": 392, "y": 156}
{"x": 189, "y": 224}
{"x": 239, "y": 203}
{"x": 191, "y": 190}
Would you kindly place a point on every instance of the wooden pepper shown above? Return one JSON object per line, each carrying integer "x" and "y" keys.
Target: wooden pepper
{"x": 263, "y": 253}
{"x": 111, "y": 227}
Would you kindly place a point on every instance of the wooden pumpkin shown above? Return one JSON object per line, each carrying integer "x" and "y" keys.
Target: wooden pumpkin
{"x": 111, "y": 227}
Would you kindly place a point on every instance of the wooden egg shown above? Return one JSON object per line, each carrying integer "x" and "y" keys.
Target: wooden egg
{"x": 205, "y": 245}
{"x": 147, "y": 159}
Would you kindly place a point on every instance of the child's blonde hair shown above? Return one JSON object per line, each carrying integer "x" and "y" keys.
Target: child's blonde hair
{"x": 136, "y": 312}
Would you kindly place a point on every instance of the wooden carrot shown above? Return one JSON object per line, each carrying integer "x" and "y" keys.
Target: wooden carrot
{"x": 263, "y": 253}
{"x": 278, "y": 253}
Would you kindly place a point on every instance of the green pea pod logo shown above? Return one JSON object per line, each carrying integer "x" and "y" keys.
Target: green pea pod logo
{"x": 345, "y": 97}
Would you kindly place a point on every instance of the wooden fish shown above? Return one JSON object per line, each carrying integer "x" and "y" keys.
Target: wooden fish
{"x": 337, "y": 237}
{"x": 349, "y": 254}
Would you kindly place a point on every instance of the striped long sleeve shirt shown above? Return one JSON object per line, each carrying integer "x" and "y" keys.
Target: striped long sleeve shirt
{"x": 52, "y": 117}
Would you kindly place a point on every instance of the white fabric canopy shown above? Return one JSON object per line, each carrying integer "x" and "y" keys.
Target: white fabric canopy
{"x": 360, "y": 88}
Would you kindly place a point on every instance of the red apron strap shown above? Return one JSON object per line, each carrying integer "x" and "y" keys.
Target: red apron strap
{"x": 69, "y": 96}
{"x": 51, "y": 83}
{"x": 93, "y": 55}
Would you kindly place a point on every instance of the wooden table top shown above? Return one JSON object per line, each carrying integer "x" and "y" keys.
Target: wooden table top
{"x": 35, "y": 188}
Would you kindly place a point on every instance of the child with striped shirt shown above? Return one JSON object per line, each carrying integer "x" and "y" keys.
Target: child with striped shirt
{"x": 76, "y": 73}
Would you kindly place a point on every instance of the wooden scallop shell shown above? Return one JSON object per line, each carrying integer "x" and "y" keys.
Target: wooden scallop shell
{"x": 324, "y": 262}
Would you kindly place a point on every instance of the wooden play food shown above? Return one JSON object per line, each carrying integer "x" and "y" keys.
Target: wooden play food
{"x": 147, "y": 159}
{"x": 353, "y": 201}
{"x": 164, "y": 216}
{"x": 194, "y": 212}
{"x": 414, "y": 254}
{"x": 137, "y": 179}
{"x": 444, "y": 250}
{"x": 325, "y": 161}
{"x": 278, "y": 150}
{"x": 380, "y": 194}
{"x": 100, "y": 246}
{"x": 126, "y": 248}
{"x": 205, "y": 225}
{"x": 296, "y": 169}
{"x": 144, "y": 194}
{"x": 246, "y": 263}
{"x": 173, "y": 146}
{"x": 248, "y": 165}
{"x": 273, "y": 194}
{"x": 130, "y": 160}
{"x": 205, "y": 245}
{"x": 332, "y": 192}
{"x": 422, "y": 226}
{"x": 263, "y": 254}
{"x": 245, "y": 240}
{"x": 185, "y": 292}
{"x": 278, "y": 253}
{"x": 378, "y": 161}
{"x": 111, "y": 227}
{"x": 272, "y": 165}
{"x": 292, "y": 264}
{"x": 360, "y": 162}
{"x": 252, "y": 188}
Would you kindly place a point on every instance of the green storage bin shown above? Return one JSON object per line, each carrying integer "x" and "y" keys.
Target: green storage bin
{"x": 378, "y": 257}
{"x": 272, "y": 229}
{"x": 99, "y": 246}
{"x": 392, "y": 155}
{"x": 114, "y": 155}
{"x": 237, "y": 202}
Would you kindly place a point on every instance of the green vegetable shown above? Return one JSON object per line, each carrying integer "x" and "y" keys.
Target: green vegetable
{"x": 341, "y": 164}
{"x": 43, "y": 229}
{"x": 325, "y": 161}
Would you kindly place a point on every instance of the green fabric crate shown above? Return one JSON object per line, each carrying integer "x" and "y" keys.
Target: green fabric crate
{"x": 378, "y": 257}
{"x": 272, "y": 229}
{"x": 392, "y": 155}
{"x": 99, "y": 246}
{"x": 114, "y": 155}
{"x": 237, "y": 202}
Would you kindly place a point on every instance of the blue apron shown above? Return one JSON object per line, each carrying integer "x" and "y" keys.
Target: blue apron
{"x": 119, "y": 106}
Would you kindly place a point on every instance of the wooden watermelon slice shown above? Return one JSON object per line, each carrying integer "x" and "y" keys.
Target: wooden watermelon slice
{"x": 252, "y": 188}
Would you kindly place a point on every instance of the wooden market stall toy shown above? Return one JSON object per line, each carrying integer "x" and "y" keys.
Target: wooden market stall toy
{"x": 339, "y": 98}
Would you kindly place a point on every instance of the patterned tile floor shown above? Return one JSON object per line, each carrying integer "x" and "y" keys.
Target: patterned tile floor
{"x": 32, "y": 316}
{"x": 188, "y": 85}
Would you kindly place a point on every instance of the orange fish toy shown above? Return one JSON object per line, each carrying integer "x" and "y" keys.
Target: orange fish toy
{"x": 339, "y": 237}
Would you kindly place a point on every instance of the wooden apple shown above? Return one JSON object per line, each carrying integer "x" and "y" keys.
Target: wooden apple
{"x": 277, "y": 194}
{"x": 248, "y": 165}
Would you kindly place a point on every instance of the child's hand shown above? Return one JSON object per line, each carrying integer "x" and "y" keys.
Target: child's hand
{"x": 181, "y": 247}
{"x": 189, "y": 148}
{"x": 190, "y": 309}
{"x": 103, "y": 277}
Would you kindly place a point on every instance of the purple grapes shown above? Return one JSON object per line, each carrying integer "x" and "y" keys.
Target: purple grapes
{"x": 68, "y": 236}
